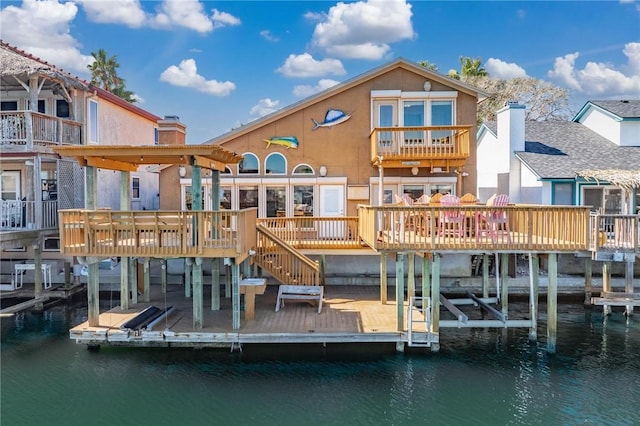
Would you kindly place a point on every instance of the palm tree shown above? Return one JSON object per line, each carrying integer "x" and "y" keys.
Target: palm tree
{"x": 471, "y": 67}
{"x": 104, "y": 75}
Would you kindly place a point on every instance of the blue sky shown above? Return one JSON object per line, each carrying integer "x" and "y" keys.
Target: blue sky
{"x": 220, "y": 64}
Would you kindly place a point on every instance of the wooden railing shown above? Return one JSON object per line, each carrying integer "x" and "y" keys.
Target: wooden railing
{"x": 611, "y": 232}
{"x": 17, "y": 215}
{"x": 29, "y": 129}
{"x": 528, "y": 228}
{"x": 420, "y": 143}
{"x": 105, "y": 233}
{"x": 282, "y": 261}
{"x": 310, "y": 232}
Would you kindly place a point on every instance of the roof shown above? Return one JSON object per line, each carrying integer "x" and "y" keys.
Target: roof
{"x": 348, "y": 84}
{"x": 627, "y": 179}
{"x": 559, "y": 149}
{"x": 21, "y": 65}
{"x": 624, "y": 109}
{"x": 130, "y": 157}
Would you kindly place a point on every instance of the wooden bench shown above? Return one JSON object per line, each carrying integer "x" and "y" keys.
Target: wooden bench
{"x": 300, "y": 292}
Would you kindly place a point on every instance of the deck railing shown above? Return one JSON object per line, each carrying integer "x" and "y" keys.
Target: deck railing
{"x": 284, "y": 262}
{"x": 611, "y": 232}
{"x": 527, "y": 228}
{"x": 106, "y": 233}
{"x": 17, "y": 215}
{"x": 420, "y": 143}
{"x": 29, "y": 129}
{"x": 310, "y": 232}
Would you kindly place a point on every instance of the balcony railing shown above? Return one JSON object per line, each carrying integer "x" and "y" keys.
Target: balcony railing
{"x": 29, "y": 129}
{"x": 523, "y": 228}
{"x": 614, "y": 232}
{"x": 311, "y": 232}
{"x": 420, "y": 146}
{"x": 16, "y": 215}
{"x": 105, "y": 233}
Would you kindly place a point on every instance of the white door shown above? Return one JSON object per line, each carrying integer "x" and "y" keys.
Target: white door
{"x": 332, "y": 205}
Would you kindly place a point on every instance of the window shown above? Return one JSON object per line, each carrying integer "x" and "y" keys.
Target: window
{"x": 249, "y": 164}
{"x": 10, "y": 185}
{"x": 441, "y": 189}
{"x": 276, "y": 201}
{"x": 414, "y": 191}
{"x": 9, "y": 106}
{"x": 225, "y": 198}
{"x": 156, "y": 136}
{"x": 51, "y": 244}
{"x": 248, "y": 197}
{"x": 603, "y": 199}
{"x": 41, "y": 106}
{"x": 62, "y": 109}
{"x": 413, "y": 116}
{"x": 441, "y": 115}
{"x": 303, "y": 200}
{"x": 303, "y": 169}
{"x": 275, "y": 164}
{"x": 93, "y": 121}
{"x": 135, "y": 188}
{"x": 563, "y": 194}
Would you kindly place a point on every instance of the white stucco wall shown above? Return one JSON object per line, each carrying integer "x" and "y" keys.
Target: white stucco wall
{"x": 602, "y": 124}
{"x": 531, "y": 189}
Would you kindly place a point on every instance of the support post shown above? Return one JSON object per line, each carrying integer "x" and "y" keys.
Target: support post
{"x": 628, "y": 285}
{"x": 146, "y": 292}
{"x": 534, "y": 286}
{"x": 163, "y": 275}
{"x": 485, "y": 275}
{"x": 188, "y": 266}
{"x": 400, "y": 291}
{"x": 606, "y": 285}
{"x": 133, "y": 279}
{"x": 125, "y": 265}
{"x": 38, "y": 269}
{"x": 552, "y": 303}
{"x": 215, "y": 284}
{"x": 235, "y": 294}
{"x": 411, "y": 275}
{"x": 435, "y": 295}
{"x": 588, "y": 281}
{"x": 93, "y": 282}
{"x": 198, "y": 318}
{"x": 426, "y": 275}
{"x": 504, "y": 298}
{"x": 383, "y": 278}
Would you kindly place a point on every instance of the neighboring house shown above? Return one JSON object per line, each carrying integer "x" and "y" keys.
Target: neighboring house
{"x": 43, "y": 106}
{"x": 323, "y": 155}
{"x": 556, "y": 162}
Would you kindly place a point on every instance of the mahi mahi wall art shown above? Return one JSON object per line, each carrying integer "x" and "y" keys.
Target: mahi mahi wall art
{"x": 286, "y": 141}
{"x": 331, "y": 118}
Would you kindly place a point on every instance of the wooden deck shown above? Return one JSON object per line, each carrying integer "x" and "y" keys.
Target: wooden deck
{"x": 349, "y": 314}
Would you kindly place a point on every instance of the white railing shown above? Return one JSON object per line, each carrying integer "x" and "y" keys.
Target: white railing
{"x": 28, "y": 128}
{"x": 17, "y": 215}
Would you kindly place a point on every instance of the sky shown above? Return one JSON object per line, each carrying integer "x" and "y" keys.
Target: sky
{"x": 221, "y": 64}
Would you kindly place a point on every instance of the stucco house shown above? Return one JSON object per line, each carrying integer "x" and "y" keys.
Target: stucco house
{"x": 553, "y": 162}
{"x": 42, "y": 107}
{"x": 400, "y": 124}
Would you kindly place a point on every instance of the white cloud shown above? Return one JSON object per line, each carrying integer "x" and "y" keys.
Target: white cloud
{"x": 600, "y": 79}
{"x": 186, "y": 75}
{"x": 266, "y": 34}
{"x": 42, "y": 28}
{"x": 504, "y": 70}
{"x": 305, "y": 90}
{"x": 305, "y": 66}
{"x": 264, "y": 107}
{"x": 128, "y": 12}
{"x": 364, "y": 29}
{"x": 190, "y": 14}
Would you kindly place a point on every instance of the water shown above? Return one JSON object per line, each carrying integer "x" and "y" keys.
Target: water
{"x": 480, "y": 377}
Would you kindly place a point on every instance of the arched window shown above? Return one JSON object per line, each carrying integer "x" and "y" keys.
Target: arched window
{"x": 249, "y": 164}
{"x": 227, "y": 171}
{"x": 275, "y": 164}
{"x": 303, "y": 169}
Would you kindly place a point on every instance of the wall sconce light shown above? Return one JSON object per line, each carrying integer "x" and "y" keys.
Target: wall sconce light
{"x": 414, "y": 171}
{"x": 323, "y": 171}
{"x": 182, "y": 171}
{"x": 464, "y": 174}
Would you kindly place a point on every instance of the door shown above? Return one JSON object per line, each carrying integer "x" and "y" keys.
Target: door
{"x": 385, "y": 116}
{"x": 332, "y": 205}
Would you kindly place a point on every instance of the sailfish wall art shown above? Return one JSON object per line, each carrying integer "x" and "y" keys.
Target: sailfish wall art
{"x": 331, "y": 118}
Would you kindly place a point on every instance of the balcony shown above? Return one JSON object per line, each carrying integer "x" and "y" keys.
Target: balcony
{"x": 24, "y": 130}
{"x": 433, "y": 146}
{"x": 17, "y": 215}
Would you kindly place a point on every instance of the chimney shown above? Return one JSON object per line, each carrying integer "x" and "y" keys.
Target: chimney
{"x": 510, "y": 121}
{"x": 171, "y": 131}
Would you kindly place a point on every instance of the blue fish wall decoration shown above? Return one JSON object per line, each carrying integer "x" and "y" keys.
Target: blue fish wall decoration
{"x": 331, "y": 118}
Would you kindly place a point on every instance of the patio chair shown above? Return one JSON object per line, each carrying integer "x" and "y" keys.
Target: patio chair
{"x": 494, "y": 222}
{"x": 451, "y": 222}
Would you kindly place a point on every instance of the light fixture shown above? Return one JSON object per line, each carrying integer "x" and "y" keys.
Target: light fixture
{"x": 323, "y": 171}
{"x": 414, "y": 171}
{"x": 427, "y": 86}
{"x": 436, "y": 170}
{"x": 182, "y": 171}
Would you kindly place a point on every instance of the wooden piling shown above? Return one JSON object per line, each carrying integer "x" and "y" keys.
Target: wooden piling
{"x": 400, "y": 291}
{"x": 383, "y": 278}
{"x": 552, "y": 303}
{"x": 198, "y": 295}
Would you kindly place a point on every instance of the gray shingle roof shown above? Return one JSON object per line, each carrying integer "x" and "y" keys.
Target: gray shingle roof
{"x": 558, "y": 149}
{"x": 622, "y": 108}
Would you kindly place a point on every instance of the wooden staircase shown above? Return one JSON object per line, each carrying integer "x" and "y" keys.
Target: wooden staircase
{"x": 285, "y": 263}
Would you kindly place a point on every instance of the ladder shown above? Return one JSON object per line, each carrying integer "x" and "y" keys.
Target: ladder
{"x": 419, "y": 318}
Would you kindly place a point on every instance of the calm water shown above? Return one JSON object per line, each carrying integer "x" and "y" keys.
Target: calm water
{"x": 480, "y": 377}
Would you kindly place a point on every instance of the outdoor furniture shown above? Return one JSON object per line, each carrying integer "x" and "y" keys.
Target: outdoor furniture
{"x": 309, "y": 293}
{"x": 494, "y": 222}
{"x": 451, "y": 222}
{"x": 250, "y": 287}
{"x": 21, "y": 267}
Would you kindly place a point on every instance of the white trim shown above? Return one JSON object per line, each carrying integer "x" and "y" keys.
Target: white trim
{"x": 388, "y": 94}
